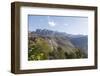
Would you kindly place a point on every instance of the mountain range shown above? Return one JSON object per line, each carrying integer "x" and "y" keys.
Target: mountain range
{"x": 47, "y": 44}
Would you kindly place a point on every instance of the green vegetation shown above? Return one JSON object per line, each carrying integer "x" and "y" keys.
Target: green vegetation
{"x": 40, "y": 49}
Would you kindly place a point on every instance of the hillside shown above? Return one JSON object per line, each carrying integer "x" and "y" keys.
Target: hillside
{"x": 81, "y": 42}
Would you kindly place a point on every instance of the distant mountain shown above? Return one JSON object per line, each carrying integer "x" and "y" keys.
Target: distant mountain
{"x": 81, "y": 42}
{"x": 57, "y": 45}
{"x": 50, "y": 33}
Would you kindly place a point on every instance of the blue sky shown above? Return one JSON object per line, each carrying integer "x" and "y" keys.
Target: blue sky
{"x": 68, "y": 24}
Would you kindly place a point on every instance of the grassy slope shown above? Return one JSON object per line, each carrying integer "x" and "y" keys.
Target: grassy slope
{"x": 52, "y": 48}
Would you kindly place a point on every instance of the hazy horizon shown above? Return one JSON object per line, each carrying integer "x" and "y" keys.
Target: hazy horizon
{"x": 67, "y": 24}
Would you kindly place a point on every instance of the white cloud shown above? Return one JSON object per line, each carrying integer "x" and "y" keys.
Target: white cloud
{"x": 51, "y": 23}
